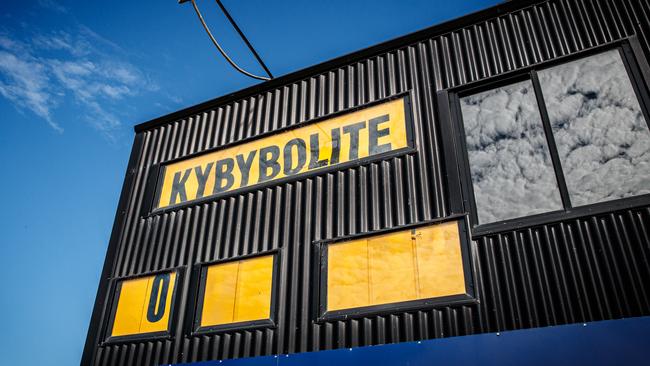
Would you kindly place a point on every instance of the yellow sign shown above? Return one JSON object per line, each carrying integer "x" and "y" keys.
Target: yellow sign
{"x": 406, "y": 265}
{"x": 353, "y": 136}
{"x": 143, "y": 305}
{"x": 238, "y": 291}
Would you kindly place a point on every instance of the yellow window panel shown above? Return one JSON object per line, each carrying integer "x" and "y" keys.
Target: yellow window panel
{"x": 129, "y": 307}
{"x": 401, "y": 266}
{"x": 219, "y": 295}
{"x": 347, "y": 275}
{"x": 136, "y": 297}
{"x": 392, "y": 268}
{"x": 238, "y": 291}
{"x": 440, "y": 261}
{"x": 253, "y": 297}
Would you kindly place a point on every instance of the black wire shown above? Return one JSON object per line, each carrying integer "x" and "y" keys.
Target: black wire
{"x": 223, "y": 53}
{"x": 243, "y": 37}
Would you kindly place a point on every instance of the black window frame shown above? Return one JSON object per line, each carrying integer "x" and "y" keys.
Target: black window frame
{"x": 455, "y": 149}
{"x": 199, "y": 278}
{"x": 320, "y": 258}
{"x": 115, "y": 287}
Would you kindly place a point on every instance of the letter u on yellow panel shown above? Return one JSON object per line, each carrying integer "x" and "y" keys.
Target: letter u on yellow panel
{"x": 144, "y": 305}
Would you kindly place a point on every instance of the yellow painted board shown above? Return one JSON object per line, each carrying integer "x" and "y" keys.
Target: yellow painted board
{"x": 160, "y": 323}
{"x": 219, "y": 295}
{"x": 130, "y": 302}
{"x": 347, "y": 275}
{"x": 254, "y": 283}
{"x": 392, "y": 268}
{"x": 131, "y": 316}
{"x": 440, "y": 261}
{"x": 372, "y": 130}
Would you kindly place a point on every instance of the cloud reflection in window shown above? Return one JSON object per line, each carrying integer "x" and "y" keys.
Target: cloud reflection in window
{"x": 602, "y": 137}
{"x": 510, "y": 164}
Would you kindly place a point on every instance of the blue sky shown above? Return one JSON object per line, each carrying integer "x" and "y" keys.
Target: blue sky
{"x": 75, "y": 76}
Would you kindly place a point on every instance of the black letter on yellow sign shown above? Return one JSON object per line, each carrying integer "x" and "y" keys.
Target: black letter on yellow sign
{"x": 288, "y": 156}
{"x": 314, "y": 148}
{"x": 269, "y": 159}
{"x": 245, "y": 166}
{"x": 336, "y": 146}
{"x": 202, "y": 178}
{"x": 178, "y": 187}
{"x": 155, "y": 313}
{"x": 221, "y": 174}
{"x": 353, "y": 130}
{"x": 375, "y": 134}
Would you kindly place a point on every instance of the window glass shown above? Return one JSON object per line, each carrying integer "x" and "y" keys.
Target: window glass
{"x": 143, "y": 305}
{"x": 511, "y": 169}
{"x": 238, "y": 291}
{"x": 406, "y": 265}
{"x": 602, "y": 137}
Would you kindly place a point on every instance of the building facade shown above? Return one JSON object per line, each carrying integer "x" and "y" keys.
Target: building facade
{"x": 486, "y": 174}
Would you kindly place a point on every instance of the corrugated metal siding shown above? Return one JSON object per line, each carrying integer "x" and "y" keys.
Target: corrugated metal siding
{"x": 581, "y": 270}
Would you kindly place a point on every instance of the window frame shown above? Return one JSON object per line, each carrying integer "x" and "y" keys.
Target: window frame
{"x": 115, "y": 287}
{"x": 455, "y": 149}
{"x": 199, "y": 281}
{"x": 320, "y": 258}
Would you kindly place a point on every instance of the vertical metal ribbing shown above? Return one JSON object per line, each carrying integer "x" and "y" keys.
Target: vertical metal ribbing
{"x": 580, "y": 270}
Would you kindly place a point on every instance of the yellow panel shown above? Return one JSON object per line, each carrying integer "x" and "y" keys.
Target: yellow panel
{"x": 161, "y": 323}
{"x": 253, "y": 298}
{"x": 392, "y": 268}
{"x": 219, "y": 297}
{"x": 129, "y": 307}
{"x": 331, "y": 141}
{"x": 440, "y": 264}
{"x": 347, "y": 275}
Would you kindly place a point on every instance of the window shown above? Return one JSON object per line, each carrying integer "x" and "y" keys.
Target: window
{"x": 601, "y": 134}
{"x": 236, "y": 292}
{"x": 406, "y": 265}
{"x": 143, "y": 305}
{"x": 509, "y": 159}
{"x": 560, "y": 137}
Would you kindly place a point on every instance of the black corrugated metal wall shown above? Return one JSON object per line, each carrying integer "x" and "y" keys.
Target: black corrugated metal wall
{"x": 585, "y": 269}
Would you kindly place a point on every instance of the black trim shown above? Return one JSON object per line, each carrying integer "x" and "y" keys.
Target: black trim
{"x": 450, "y": 164}
{"x": 321, "y": 253}
{"x": 526, "y": 222}
{"x": 152, "y": 190}
{"x": 438, "y": 220}
{"x": 200, "y": 274}
{"x": 116, "y": 286}
{"x": 638, "y": 71}
{"x": 410, "y": 149}
{"x": 550, "y": 141}
{"x": 519, "y": 74}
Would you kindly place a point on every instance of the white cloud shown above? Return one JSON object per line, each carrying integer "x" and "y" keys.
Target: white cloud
{"x": 602, "y": 136}
{"x": 52, "y": 5}
{"x": 25, "y": 82}
{"x": 38, "y": 71}
{"x": 511, "y": 168}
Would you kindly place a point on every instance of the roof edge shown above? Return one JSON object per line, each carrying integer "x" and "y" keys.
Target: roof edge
{"x": 429, "y": 32}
